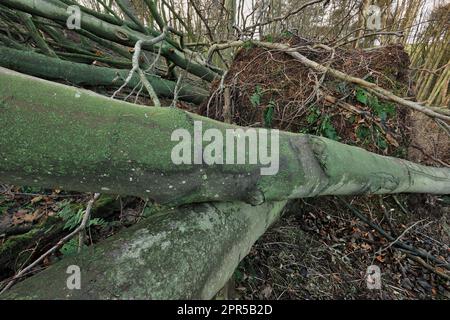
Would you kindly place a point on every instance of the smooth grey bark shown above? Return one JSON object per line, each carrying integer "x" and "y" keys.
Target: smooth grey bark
{"x": 184, "y": 253}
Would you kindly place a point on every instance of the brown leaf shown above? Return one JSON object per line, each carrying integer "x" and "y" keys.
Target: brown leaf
{"x": 19, "y": 216}
{"x": 23, "y": 216}
{"x": 267, "y": 291}
{"x": 391, "y": 140}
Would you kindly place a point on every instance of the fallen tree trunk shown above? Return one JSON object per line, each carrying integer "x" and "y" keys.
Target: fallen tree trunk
{"x": 56, "y": 136}
{"x": 57, "y": 11}
{"x": 185, "y": 253}
{"x": 42, "y": 66}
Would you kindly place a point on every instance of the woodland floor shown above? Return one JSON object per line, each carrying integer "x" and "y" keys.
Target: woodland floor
{"x": 318, "y": 252}
{"x": 314, "y": 251}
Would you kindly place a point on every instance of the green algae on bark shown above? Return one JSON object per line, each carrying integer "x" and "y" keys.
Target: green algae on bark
{"x": 58, "y": 136}
{"x": 57, "y": 11}
{"x": 39, "y": 65}
{"x": 184, "y": 253}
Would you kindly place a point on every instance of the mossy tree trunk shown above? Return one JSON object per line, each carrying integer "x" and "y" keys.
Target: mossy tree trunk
{"x": 184, "y": 253}
{"x": 106, "y": 29}
{"x": 39, "y": 65}
{"x": 63, "y": 137}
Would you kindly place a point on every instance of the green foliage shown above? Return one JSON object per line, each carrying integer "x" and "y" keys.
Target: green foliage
{"x": 4, "y": 208}
{"x": 68, "y": 214}
{"x": 269, "y": 38}
{"x": 313, "y": 115}
{"x": 255, "y": 99}
{"x": 380, "y": 140}
{"x": 70, "y": 247}
{"x": 327, "y": 129}
{"x": 381, "y": 109}
{"x": 361, "y": 96}
{"x": 5, "y": 204}
{"x": 321, "y": 124}
{"x": 26, "y": 189}
{"x": 446, "y": 199}
{"x": 287, "y": 34}
{"x": 152, "y": 209}
{"x": 268, "y": 114}
{"x": 248, "y": 45}
{"x": 238, "y": 275}
{"x": 72, "y": 217}
{"x": 149, "y": 210}
{"x": 363, "y": 133}
{"x": 400, "y": 152}
{"x": 371, "y": 135}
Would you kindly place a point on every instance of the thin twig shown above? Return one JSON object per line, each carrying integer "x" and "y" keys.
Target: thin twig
{"x": 428, "y": 266}
{"x": 284, "y": 17}
{"x": 401, "y": 245}
{"x": 137, "y": 69}
{"x": 399, "y": 237}
{"x": 388, "y": 219}
{"x": 176, "y": 91}
{"x": 384, "y": 33}
{"x": 85, "y": 220}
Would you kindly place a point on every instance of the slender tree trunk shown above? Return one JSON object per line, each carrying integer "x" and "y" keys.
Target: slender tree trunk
{"x": 120, "y": 34}
{"x": 89, "y": 75}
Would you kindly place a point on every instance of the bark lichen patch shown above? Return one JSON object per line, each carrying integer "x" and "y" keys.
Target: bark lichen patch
{"x": 142, "y": 241}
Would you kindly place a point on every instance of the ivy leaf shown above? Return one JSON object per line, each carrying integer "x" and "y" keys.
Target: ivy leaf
{"x": 312, "y": 118}
{"x": 362, "y": 132}
{"x": 70, "y": 248}
{"x": 381, "y": 143}
{"x": 268, "y": 114}
{"x": 255, "y": 99}
{"x": 313, "y": 115}
{"x": 361, "y": 96}
{"x": 328, "y": 129}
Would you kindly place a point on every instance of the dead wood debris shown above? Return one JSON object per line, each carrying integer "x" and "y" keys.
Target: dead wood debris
{"x": 320, "y": 249}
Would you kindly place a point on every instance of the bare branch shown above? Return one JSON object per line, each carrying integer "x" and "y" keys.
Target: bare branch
{"x": 284, "y": 17}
